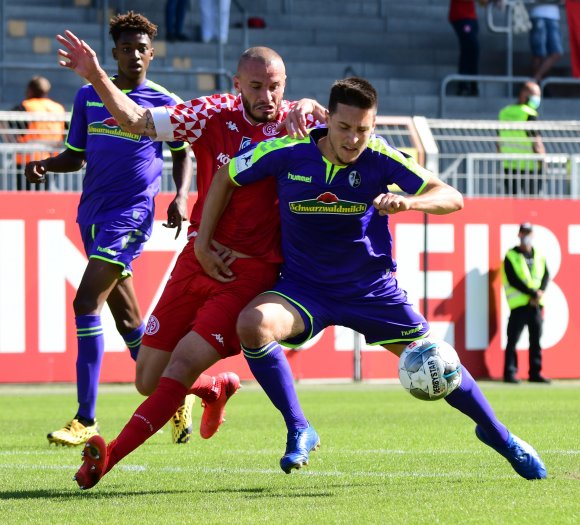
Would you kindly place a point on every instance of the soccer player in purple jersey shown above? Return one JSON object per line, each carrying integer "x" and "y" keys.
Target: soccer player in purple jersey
{"x": 116, "y": 209}
{"x": 338, "y": 266}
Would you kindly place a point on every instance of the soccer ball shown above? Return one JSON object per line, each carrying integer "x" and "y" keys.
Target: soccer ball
{"x": 429, "y": 369}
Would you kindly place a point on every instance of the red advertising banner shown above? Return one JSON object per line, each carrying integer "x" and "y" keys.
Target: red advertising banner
{"x": 42, "y": 261}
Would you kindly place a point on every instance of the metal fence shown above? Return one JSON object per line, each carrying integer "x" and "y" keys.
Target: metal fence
{"x": 465, "y": 153}
{"x": 399, "y": 131}
{"x": 462, "y": 152}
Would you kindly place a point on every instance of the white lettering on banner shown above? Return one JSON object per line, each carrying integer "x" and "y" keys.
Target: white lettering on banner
{"x": 12, "y": 287}
{"x": 54, "y": 248}
{"x": 476, "y": 286}
{"x": 556, "y": 311}
{"x": 574, "y": 239}
{"x": 163, "y": 240}
{"x": 440, "y": 239}
{"x": 59, "y": 262}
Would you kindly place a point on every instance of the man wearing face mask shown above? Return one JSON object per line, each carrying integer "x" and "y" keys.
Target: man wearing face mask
{"x": 525, "y": 278}
{"x": 522, "y": 176}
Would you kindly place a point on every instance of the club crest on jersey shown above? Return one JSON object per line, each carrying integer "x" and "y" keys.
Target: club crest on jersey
{"x": 354, "y": 179}
{"x": 269, "y": 129}
{"x": 328, "y": 203}
{"x": 243, "y": 162}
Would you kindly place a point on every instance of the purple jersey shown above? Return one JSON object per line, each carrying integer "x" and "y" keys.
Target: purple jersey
{"x": 333, "y": 239}
{"x": 123, "y": 169}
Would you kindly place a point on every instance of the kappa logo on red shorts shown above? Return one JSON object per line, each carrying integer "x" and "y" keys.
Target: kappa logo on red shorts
{"x": 152, "y": 326}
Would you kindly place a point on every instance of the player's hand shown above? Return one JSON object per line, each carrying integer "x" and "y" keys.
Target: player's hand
{"x": 296, "y": 122}
{"x": 79, "y": 57}
{"x": 35, "y": 171}
{"x": 176, "y": 214}
{"x": 390, "y": 203}
{"x": 215, "y": 261}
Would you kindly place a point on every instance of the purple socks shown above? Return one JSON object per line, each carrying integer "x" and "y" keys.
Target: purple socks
{"x": 272, "y": 370}
{"x": 469, "y": 399}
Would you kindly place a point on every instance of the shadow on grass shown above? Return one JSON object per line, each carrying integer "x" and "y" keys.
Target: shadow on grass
{"x": 74, "y": 494}
{"x": 261, "y": 492}
{"x": 286, "y": 492}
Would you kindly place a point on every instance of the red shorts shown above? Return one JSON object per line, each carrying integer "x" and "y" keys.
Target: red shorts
{"x": 193, "y": 301}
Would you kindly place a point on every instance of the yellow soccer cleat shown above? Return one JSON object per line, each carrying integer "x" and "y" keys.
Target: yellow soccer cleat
{"x": 182, "y": 422}
{"x": 73, "y": 433}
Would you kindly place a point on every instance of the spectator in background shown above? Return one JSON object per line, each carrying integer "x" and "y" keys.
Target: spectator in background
{"x": 545, "y": 37}
{"x": 524, "y": 175}
{"x": 573, "y": 15}
{"x": 175, "y": 19}
{"x": 525, "y": 278}
{"x": 41, "y": 132}
{"x": 215, "y": 20}
{"x": 463, "y": 18}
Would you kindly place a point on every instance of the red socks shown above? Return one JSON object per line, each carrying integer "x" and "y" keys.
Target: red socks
{"x": 153, "y": 413}
{"x": 206, "y": 387}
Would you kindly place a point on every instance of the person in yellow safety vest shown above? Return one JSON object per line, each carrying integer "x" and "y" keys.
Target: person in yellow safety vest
{"x": 522, "y": 176}
{"x": 525, "y": 277}
{"x": 41, "y": 132}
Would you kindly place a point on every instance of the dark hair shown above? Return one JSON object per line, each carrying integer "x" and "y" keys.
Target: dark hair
{"x": 352, "y": 91}
{"x": 38, "y": 87}
{"x": 131, "y": 22}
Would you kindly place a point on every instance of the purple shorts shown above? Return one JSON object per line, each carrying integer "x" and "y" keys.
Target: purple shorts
{"x": 383, "y": 315}
{"x": 117, "y": 242}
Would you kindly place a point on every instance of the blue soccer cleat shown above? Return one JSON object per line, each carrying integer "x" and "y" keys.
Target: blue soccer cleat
{"x": 521, "y": 455}
{"x": 299, "y": 445}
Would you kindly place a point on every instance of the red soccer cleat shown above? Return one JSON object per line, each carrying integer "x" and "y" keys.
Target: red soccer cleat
{"x": 95, "y": 457}
{"x": 214, "y": 411}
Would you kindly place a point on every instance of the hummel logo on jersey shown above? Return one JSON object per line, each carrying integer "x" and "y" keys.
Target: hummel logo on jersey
{"x": 300, "y": 178}
{"x": 219, "y": 338}
{"x": 232, "y": 126}
{"x": 223, "y": 158}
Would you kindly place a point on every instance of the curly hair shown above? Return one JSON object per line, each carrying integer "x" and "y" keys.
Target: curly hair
{"x": 132, "y": 22}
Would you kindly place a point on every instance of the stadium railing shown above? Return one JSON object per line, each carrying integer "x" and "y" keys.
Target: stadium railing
{"x": 465, "y": 154}
{"x": 462, "y": 152}
{"x": 401, "y": 132}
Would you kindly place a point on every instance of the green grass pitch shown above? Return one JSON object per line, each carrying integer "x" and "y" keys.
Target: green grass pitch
{"x": 385, "y": 458}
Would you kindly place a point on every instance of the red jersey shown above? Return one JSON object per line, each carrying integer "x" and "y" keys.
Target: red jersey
{"x": 462, "y": 10}
{"x": 217, "y": 127}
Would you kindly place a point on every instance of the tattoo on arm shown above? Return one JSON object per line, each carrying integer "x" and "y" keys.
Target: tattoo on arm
{"x": 150, "y": 130}
{"x": 149, "y": 124}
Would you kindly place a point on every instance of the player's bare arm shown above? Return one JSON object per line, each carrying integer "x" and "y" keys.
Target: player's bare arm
{"x": 65, "y": 162}
{"x": 182, "y": 173}
{"x": 82, "y": 59}
{"x": 216, "y": 201}
{"x": 438, "y": 198}
{"x": 296, "y": 123}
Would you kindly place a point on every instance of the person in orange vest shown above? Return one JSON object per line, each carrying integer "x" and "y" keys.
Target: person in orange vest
{"x": 43, "y": 132}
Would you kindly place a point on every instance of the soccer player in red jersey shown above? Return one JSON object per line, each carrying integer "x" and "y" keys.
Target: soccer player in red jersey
{"x": 193, "y": 325}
